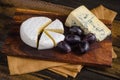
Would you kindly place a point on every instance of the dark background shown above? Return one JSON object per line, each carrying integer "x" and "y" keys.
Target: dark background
{"x": 111, "y": 4}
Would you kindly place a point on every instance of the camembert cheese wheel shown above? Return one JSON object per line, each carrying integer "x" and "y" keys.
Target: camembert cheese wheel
{"x": 41, "y": 32}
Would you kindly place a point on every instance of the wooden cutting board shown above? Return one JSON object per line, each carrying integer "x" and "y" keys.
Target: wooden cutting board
{"x": 100, "y": 53}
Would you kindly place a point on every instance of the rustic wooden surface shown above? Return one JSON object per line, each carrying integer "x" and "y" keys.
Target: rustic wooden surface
{"x": 87, "y": 73}
{"x": 13, "y": 46}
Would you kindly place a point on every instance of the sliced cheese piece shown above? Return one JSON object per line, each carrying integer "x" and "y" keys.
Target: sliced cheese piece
{"x": 56, "y": 26}
{"x": 31, "y": 28}
{"x": 88, "y": 22}
{"x": 56, "y": 37}
{"x": 45, "y": 42}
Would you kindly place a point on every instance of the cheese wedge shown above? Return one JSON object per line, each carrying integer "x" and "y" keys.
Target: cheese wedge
{"x": 88, "y": 22}
{"x": 31, "y": 28}
{"x": 45, "y": 42}
{"x": 56, "y": 26}
{"x": 56, "y": 37}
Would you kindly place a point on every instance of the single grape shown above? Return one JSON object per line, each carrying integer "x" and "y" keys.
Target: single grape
{"x": 75, "y": 30}
{"x": 72, "y": 39}
{"x": 81, "y": 48}
{"x": 63, "y": 46}
{"x": 90, "y": 38}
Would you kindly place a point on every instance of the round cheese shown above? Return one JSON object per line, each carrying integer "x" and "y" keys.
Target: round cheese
{"x": 51, "y": 32}
{"x": 31, "y": 28}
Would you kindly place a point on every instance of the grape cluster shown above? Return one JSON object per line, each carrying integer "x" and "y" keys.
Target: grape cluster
{"x": 76, "y": 41}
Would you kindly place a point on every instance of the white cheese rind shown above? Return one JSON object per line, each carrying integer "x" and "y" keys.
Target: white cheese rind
{"x": 45, "y": 42}
{"x": 56, "y": 26}
{"x": 56, "y": 37}
{"x": 88, "y": 22}
{"x": 31, "y": 28}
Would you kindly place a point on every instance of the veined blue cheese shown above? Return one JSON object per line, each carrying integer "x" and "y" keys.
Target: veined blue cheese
{"x": 88, "y": 22}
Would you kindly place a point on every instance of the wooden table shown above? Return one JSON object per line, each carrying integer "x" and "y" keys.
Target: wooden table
{"x": 87, "y": 73}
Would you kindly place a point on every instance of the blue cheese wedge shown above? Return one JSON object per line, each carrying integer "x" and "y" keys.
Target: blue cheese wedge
{"x": 56, "y": 26}
{"x": 88, "y": 22}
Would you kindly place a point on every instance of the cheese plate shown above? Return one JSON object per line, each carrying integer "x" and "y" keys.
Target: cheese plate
{"x": 100, "y": 53}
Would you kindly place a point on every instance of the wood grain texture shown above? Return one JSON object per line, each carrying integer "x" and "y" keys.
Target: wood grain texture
{"x": 100, "y": 53}
{"x": 38, "y": 5}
